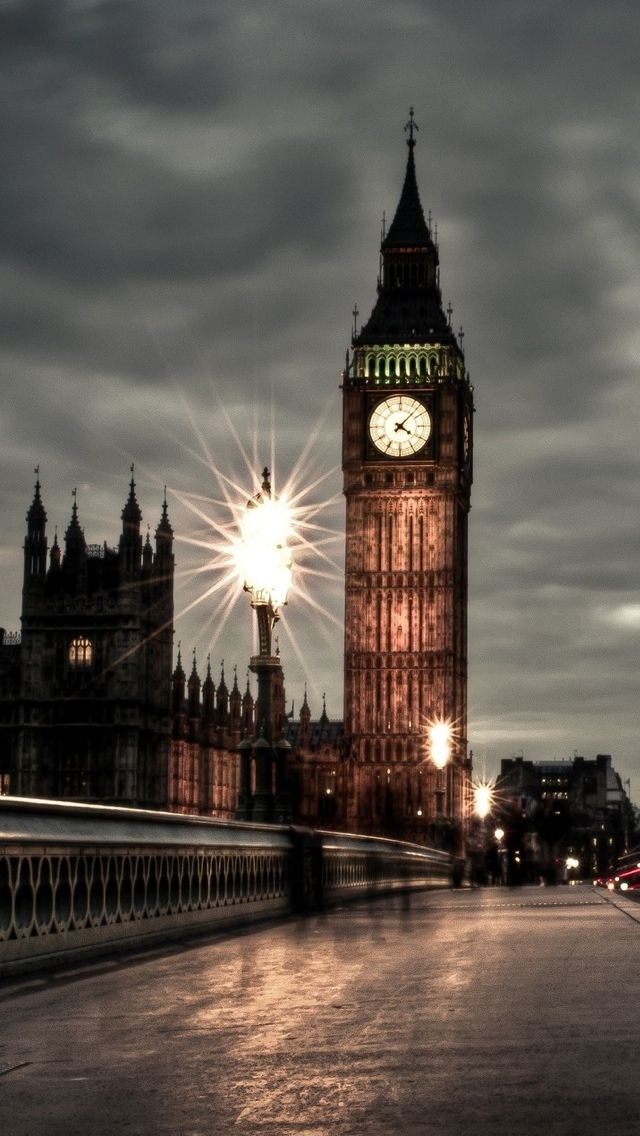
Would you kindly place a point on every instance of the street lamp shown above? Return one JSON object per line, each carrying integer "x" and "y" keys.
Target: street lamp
{"x": 264, "y": 566}
{"x": 439, "y": 735}
{"x": 439, "y": 743}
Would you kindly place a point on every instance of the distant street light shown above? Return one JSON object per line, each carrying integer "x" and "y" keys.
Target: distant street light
{"x": 499, "y": 834}
{"x": 439, "y": 736}
{"x": 482, "y": 800}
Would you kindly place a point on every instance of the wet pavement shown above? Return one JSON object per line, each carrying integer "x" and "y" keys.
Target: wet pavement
{"x": 490, "y": 1011}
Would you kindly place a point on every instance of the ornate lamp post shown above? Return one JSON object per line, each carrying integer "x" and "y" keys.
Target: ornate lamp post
{"x": 264, "y": 564}
{"x": 439, "y": 745}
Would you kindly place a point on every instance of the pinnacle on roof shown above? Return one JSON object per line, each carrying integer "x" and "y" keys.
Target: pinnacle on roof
{"x": 131, "y": 514}
{"x": 74, "y": 536}
{"x": 164, "y": 527}
{"x": 55, "y": 554}
{"x": 178, "y": 672}
{"x": 408, "y": 228}
{"x": 36, "y": 515}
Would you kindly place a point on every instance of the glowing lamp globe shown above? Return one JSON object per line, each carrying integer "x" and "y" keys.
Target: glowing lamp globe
{"x": 439, "y": 743}
{"x": 483, "y": 799}
{"x": 264, "y": 558}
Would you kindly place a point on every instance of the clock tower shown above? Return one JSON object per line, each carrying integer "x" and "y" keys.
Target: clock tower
{"x": 407, "y": 463}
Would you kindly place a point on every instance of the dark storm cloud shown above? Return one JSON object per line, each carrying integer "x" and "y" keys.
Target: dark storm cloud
{"x": 133, "y": 47}
{"x": 190, "y": 204}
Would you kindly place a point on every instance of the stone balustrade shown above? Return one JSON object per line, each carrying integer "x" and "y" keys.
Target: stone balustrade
{"x": 76, "y": 879}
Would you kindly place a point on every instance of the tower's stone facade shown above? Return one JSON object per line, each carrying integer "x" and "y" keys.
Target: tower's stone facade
{"x": 407, "y": 462}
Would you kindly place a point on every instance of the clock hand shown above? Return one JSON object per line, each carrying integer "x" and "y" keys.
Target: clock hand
{"x": 401, "y": 425}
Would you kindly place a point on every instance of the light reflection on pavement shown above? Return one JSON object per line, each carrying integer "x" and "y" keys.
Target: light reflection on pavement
{"x": 497, "y": 1011}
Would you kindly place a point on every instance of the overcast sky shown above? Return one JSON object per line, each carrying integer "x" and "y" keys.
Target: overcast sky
{"x": 190, "y": 205}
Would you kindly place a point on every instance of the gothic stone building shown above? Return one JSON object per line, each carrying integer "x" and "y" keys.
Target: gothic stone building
{"x": 85, "y": 691}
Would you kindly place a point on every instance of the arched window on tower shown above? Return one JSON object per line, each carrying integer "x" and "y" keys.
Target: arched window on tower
{"x": 80, "y": 653}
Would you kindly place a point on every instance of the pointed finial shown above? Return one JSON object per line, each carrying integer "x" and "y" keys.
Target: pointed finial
{"x": 266, "y": 482}
{"x": 449, "y": 312}
{"x": 355, "y": 313}
{"x": 460, "y": 335}
{"x": 384, "y": 224}
{"x": 410, "y": 127}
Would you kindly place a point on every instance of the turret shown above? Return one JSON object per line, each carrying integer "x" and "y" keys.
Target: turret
{"x": 235, "y": 705}
{"x": 75, "y": 547}
{"x": 35, "y": 545}
{"x": 55, "y": 555}
{"x": 147, "y": 555}
{"x": 193, "y": 700}
{"x": 130, "y": 547}
{"x": 164, "y": 544}
{"x": 304, "y": 734}
{"x": 208, "y": 706}
{"x": 178, "y": 682}
{"x": 247, "y": 711}
{"x": 222, "y": 701}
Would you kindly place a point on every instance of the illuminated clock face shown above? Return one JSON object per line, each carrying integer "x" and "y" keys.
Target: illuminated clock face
{"x": 399, "y": 426}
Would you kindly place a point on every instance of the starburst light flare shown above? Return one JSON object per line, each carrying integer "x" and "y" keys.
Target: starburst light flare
{"x": 264, "y": 558}
{"x": 440, "y": 734}
{"x": 482, "y": 799}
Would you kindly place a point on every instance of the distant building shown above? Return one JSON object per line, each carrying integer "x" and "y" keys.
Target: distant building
{"x": 578, "y": 807}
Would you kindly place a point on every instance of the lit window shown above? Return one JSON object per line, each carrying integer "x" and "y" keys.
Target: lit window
{"x": 80, "y": 653}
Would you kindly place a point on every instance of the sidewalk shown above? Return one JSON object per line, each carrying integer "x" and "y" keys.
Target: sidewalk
{"x": 502, "y": 1012}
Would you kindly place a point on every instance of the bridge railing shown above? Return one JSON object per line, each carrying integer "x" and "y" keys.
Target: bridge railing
{"x": 76, "y": 879}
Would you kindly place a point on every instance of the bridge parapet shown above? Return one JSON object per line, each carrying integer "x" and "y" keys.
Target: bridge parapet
{"x": 76, "y": 879}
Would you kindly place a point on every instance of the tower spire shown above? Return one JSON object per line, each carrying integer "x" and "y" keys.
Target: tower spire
{"x": 408, "y": 309}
